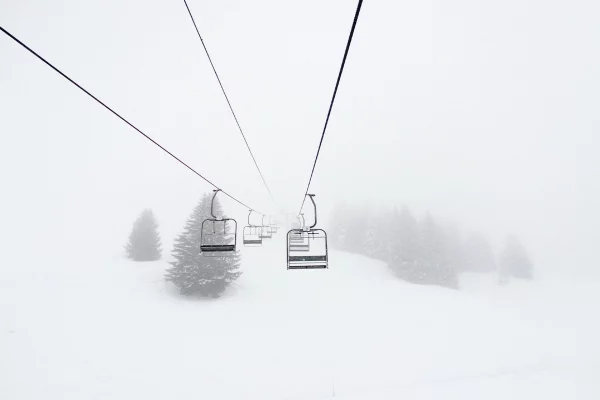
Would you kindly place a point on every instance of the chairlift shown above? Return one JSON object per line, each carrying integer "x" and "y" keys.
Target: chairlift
{"x": 297, "y": 236}
{"x": 299, "y": 223}
{"x": 218, "y": 236}
{"x": 273, "y": 228}
{"x": 307, "y": 247}
{"x": 251, "y": 234}
{"x": 265, "y": 232}
{"x": 298, "y": 241}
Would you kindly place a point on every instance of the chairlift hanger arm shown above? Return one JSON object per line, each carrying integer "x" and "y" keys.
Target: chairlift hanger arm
{"x": 315, "y": 207}
{"x": 212, "y": 203}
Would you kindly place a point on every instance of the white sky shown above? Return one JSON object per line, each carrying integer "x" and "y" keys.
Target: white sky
{"x": 481, "y": 112}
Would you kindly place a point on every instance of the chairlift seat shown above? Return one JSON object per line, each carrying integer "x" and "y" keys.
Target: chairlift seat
{"x": 217, "y": 247}
{"x": 307, "y": 262}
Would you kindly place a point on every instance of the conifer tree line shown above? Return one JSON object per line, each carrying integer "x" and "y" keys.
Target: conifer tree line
{"x": 423, "y": 250}
{"x": 416, "y": 250}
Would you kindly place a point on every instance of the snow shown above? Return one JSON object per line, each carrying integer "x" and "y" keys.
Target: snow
{"x": 113, "y": 329}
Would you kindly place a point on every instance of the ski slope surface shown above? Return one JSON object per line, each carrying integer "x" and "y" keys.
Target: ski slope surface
{"x": 113, "y": 329}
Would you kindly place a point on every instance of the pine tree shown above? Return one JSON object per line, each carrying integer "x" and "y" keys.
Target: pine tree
{"x": 514, "y": 261}
{"x": 194, "y": 273}
{"x": 478, "y": 254}
{"x": 339, "y": 227}
{"x": 144, "y": 241}
{"x": 356, "y": 227}
{"x": 404, "y": 248}
{"x": 454, "y": 251}
{"x": 433, "y": 262}
{"x": 376, "y": 237}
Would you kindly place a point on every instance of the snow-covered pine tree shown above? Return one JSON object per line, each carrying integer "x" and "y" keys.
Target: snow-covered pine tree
{"x": 339, "y": 224}
{"x": 454, "y": 251}
{"x": 395, "y": 255}
{"x": 436, "y": 269}
{"x": 194, "y": 273}
{"x": 377, "y": 237}
{"x": 514, "y": 261}
{"x": 404, "y": 245}
{"x": 356, "y": 228}
{"x": 478, "y": 254}
{"x": 144, "y": 241}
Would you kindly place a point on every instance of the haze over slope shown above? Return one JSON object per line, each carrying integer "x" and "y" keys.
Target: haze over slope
{"x": 112, "y": 328}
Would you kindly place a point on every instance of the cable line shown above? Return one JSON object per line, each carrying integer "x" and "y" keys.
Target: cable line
{"x": 229, "y": 103}
{"x": 118, "y": 115}
{"x": 337, "y": 83}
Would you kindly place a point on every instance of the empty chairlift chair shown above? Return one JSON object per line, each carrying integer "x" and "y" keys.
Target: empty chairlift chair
{"x": 307, "y": 247}
{"x": 251, "y": 234}
{"x": 265, "y": 232}
{"x": 273, "y": 227}
{"x": 299, "y": 223}
{"x": 219, "y": 235}
{"x": 298, "y": 241}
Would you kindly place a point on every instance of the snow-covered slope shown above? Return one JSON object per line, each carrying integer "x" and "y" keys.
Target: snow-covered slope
{"x": 112, "y": 329}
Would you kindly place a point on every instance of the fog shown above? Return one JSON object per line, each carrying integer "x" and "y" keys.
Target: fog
{"x": 483, "y": 113}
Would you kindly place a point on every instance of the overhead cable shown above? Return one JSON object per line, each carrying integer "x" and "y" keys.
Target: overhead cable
{"x": 337, "y": 83}
{"x": 229, "y": 103}
{"x": 120, "y": 117}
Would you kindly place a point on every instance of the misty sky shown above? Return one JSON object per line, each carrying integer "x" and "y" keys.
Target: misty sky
{"x": 484, "y": 113}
